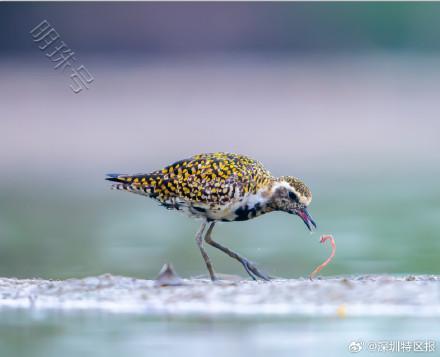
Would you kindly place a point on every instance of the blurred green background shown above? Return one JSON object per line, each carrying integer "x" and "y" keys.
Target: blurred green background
{"x": 381, "y": 225}
{"x": 343, "y": 95}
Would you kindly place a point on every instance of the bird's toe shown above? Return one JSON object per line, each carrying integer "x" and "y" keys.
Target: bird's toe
{"x": 253, "y": 271}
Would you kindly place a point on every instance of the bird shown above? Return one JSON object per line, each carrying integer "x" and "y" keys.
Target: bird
{"x": 220, "y": 187}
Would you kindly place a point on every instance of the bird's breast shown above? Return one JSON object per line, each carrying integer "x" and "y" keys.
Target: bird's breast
{"x": 247, "y": 208}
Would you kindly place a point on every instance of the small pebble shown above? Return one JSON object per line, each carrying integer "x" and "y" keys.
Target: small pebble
{"x": 168, "y": 277}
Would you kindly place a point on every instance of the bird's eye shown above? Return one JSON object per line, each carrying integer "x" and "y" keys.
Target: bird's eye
{"x": 292, "y": 196}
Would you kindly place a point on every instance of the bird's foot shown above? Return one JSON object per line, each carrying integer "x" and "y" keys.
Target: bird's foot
{"x": 253, "y": 271}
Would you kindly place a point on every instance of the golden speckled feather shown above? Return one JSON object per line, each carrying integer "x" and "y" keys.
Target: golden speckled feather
{"x": 214, "y": 179}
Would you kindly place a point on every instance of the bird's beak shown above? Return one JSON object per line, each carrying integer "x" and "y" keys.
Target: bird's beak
{"x": 306, "y": 217}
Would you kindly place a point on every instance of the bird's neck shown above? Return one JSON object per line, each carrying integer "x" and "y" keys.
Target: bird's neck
{"x": 262, "y": 201}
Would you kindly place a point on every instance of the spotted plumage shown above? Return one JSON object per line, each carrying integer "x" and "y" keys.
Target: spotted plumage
{"x": 220, "y": 187}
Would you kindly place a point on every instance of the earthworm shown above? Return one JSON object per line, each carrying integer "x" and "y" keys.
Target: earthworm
{"x": 328, "y": 260}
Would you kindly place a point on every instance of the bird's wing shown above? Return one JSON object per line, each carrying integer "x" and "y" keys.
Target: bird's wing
{"x": 206, "y": 179}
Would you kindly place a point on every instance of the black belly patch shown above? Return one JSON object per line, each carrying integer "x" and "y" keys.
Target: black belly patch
{"x": 244, "y": 213}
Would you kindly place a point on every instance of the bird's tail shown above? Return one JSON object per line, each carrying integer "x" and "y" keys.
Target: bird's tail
{"x": 131, "y": 183}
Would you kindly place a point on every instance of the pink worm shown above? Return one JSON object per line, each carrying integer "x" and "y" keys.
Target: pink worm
{"x": 332, "y": 242}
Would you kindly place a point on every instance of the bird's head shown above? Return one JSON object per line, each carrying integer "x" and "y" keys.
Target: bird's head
{"x": 291, "y": 195}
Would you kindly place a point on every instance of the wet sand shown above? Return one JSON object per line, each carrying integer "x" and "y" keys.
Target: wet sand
{"x": 369, "y": 295}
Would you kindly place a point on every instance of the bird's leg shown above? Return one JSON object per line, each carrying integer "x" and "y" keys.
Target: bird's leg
{"x": 250, "y": 267}
{"x": 199, "y": 241}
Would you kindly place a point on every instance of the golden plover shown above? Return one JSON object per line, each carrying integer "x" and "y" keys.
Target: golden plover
{"x": 220, "y": 187}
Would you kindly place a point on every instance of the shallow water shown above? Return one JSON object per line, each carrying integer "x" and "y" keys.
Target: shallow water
{"x": 51, "y": 334}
